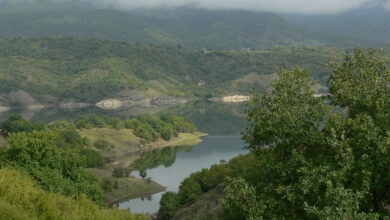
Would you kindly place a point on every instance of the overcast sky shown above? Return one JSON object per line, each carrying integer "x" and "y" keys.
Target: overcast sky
{"x": 278, "y": 6}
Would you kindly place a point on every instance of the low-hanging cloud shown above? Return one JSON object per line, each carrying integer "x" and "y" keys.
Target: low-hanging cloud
{"x": 278, "y": 6}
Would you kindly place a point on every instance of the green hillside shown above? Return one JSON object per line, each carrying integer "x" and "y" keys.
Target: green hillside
{"x": 56, "y": 69}
{"x": 369, "y": 25}
{"x": 21, "y": 198}
{"x": 189, "y": 27}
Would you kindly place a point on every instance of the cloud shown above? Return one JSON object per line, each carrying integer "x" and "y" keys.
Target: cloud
{"x": 278, "y": 6}
{"x": 387, "y": 5}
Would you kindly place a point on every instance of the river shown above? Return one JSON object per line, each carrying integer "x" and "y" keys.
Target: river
{"x": 211, "y": 151}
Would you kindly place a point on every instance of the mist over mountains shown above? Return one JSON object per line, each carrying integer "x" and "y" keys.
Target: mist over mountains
{"x": 193, "y": 27}
{"x": 275, "y": 6}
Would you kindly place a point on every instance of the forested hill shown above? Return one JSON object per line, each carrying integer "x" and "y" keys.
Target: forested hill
{"x": 58, "y": 69}
{"x": 188, "y": 27}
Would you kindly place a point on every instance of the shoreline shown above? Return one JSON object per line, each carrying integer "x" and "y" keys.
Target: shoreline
{"x": 133, "y": 187}
{"x": 134, "y": 196}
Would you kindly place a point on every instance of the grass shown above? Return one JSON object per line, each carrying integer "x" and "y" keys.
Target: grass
{"x": 184, "y": 139}
{"x": 122, "y": 141}
{"x": 132, "y": 187}
{"x": 3, "y": 141}
{"x": 128, "y": 188}
{"x": 20, "y": 198}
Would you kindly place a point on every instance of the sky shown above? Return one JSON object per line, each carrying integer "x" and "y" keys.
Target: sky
{"x": 277, "y": 6}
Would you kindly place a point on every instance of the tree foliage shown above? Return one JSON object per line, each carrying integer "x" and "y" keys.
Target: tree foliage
{"x": 21, "y": 198}
{"x": 324, "y": 164}
{"x": 16, "y": 123}
{"x": 56, "y": 167}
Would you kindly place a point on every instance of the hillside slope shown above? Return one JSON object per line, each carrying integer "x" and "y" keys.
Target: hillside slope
{"x": 21, "y": 198}
{"x": 52, "y": 70}
{"x": 188, "y": 27}
{"x": 370, "y": 26}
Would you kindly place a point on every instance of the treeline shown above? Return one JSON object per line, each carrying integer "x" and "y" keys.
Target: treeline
{"x": 91, "y": 70}
{"x": 311, "y": 157}
{"x": 149, "y": 128}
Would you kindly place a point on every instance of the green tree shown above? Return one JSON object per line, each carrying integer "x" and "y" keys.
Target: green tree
{"x": 320, "y": 163}
{"x": 56, "y": 168}
{"x": 119, "y": 172}
{"x": 240, "y": 201}
{"x": 16, "y": 123}
{"x": 143, "y": 174}
{"x": 169, "y": 204}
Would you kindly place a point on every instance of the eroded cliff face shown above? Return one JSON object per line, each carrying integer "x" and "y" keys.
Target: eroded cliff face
{"x": 231, "y": 99}
{"x": 235, "y": 98}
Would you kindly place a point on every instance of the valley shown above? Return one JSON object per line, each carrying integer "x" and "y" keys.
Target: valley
{"x": 199, "y": 110}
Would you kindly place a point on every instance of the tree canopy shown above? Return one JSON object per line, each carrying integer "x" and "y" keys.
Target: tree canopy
{"x": 324, "y": 161}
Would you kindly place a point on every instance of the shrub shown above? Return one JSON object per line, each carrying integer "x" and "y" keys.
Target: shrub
{"x": 119, "y": 172}
{"x": 92, "y": 158}
{"x": 106, "y": 184}
{"x": 101, "y": 144}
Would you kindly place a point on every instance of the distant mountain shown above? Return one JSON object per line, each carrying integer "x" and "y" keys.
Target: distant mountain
{"x": 187, "y": 27}
{"x": 370, "y": 26}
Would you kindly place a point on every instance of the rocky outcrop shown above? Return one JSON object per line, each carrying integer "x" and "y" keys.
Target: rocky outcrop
{"x": 109, "y": 104}
{"x": 139, "y": 101}
{"x": 235, "y": 98}
{"x": 4, "y": 108}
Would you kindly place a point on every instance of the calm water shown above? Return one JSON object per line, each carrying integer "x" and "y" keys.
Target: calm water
{"x": 212, "y": 150}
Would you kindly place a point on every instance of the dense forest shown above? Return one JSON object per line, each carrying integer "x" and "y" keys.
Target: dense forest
{"x": 58, "y": 69}
{"x": 311, "y": 157}
{"x": 49, "y": 163}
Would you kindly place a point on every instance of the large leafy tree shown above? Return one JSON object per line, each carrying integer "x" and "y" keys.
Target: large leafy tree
{"x": 321, "y": 160}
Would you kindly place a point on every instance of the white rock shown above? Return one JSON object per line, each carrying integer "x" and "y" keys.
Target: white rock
{"x": 109, "y": 104}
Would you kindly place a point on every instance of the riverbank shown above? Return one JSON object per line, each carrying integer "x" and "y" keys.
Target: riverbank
{"x": 123, "y": 148}
{"x": 128, "y": 187}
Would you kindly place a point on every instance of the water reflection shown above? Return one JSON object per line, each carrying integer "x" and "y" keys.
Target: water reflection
{"x": 210, "y": 117}
{"x": 152, "y": 159}
{"x": 211, "y": 151}
{"x": 214, "y": 118}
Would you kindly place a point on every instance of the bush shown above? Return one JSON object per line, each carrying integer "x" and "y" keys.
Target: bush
{"x": 20, "y": 198}
{"x": 101, "y": 144}
{"x": 93, "y": 158}
{"x": 106, "y": 184}
{"x": 119, "y": 172}
{"x": 169, "y": 205}
{"x": 56, "y": 168}
{"x": 16, "y": 123}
